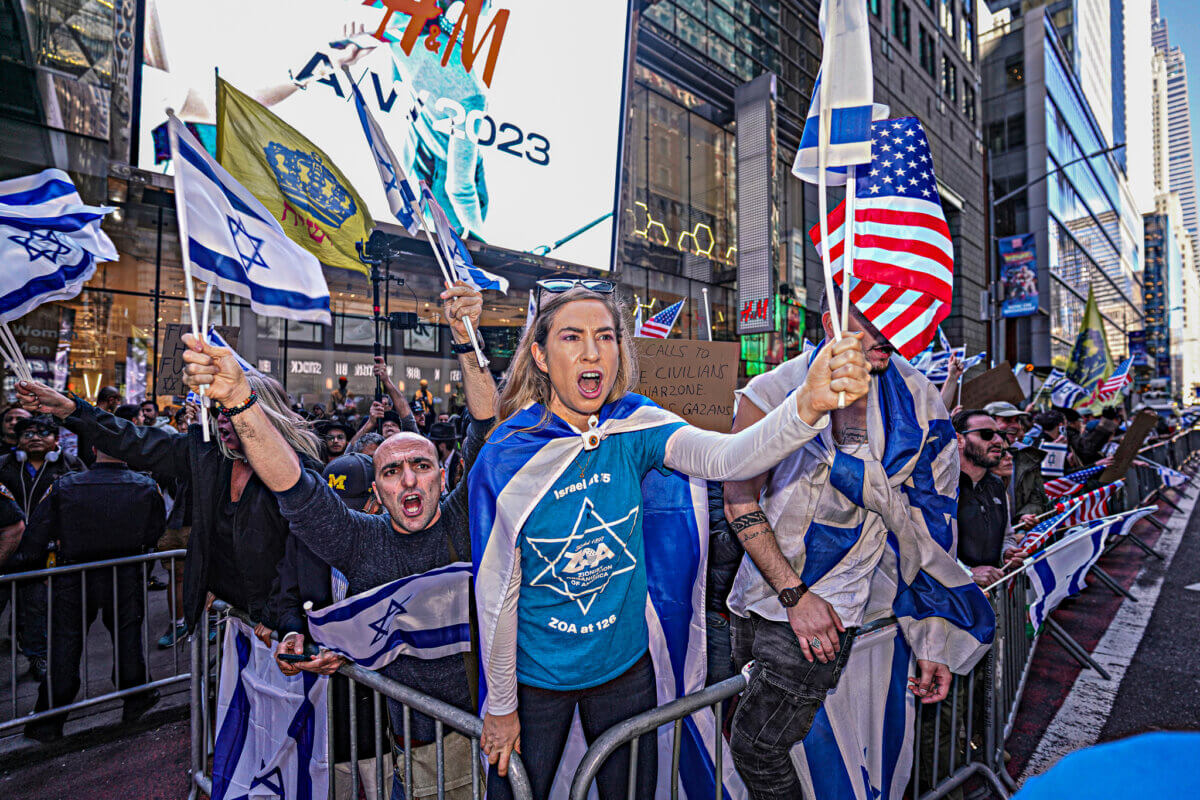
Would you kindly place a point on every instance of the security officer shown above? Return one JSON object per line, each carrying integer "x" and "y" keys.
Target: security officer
{"x": 107, "y": 512}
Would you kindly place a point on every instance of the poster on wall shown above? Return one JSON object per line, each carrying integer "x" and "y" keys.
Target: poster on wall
{"x": 1018, "y": 271}
{"x": 509, "y": 109}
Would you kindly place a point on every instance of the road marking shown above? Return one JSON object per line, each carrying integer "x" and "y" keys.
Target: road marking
{"x": 1082, "y": 716}
{"x": 1195, "y": 587}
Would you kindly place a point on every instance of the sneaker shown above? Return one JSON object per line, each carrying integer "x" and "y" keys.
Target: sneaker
{"x": 37, "y": 668}
{"x": 175, "y": 634}
{"x": 138, "y": 704}
{"x": 155, "y": 585}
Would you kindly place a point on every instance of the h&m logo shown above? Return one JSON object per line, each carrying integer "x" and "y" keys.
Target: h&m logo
{"x": 425, "y": 17}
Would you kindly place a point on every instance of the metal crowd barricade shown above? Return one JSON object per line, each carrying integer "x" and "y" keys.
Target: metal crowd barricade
{"x": 206, "y": 667}
{"x": 21, "y": 589}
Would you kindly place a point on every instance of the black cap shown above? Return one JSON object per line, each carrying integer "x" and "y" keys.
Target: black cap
{"x": 351, "y": 477}
{"x": 324, "y": 426}
{"x": 391, "y": 415}
{"x": 441, "y": 432}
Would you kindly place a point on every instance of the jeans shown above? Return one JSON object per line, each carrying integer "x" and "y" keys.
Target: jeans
{"x": 778, "y": 707}
{"x": 546, "y": 717}
{"x": 720, "y": 656}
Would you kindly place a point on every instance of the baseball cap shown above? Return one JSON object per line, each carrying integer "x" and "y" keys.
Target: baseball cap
{"x": 351, "y": 477}
{"x": 324, "y": 426}
{"x": 1002, "y": 408}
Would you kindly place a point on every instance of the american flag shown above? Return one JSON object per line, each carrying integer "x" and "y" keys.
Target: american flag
{"x": 903, "y": 258}
{"x": 659, "y": 326}
{"x": 1074, "y": 511}
{"x": 1070, "y": 484}
{"x": 1115, "y": 383}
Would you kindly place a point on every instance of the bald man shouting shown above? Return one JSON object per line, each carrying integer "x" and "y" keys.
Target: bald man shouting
{"x": 418, "y": 532}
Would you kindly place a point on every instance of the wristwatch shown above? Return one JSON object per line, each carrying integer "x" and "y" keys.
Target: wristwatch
{"x": 790, "y": 596}
{"x": 462, "y": 349}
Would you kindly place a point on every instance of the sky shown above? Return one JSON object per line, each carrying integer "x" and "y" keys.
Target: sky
{"x": 1183, "y": 28}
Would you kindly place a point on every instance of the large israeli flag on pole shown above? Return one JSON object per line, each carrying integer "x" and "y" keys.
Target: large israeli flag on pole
{"x": 402, "y": 200}
{"x": 455, "y": 251}
{"x": 50, "y": 241}
{"x": 271, "y": 729}
{"x": 424, "y": 616}
{"x": 235, "y": 244}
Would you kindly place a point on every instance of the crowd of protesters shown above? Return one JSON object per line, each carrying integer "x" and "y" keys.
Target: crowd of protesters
{"x": 289, "y": 505}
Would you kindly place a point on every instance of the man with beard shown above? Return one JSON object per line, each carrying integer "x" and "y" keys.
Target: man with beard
{"x": 416, "y": 534}
{"x": 987, "y": 539}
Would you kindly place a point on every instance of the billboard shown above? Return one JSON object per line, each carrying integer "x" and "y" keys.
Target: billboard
{"x": 511, "y": 110}
{"x": 1018, "y": 272}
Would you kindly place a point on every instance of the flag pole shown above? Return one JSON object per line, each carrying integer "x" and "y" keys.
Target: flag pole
{"x": 483, "y": 361}
{"x": 848, "y": 245}
{"x": 12, "y": 353}
{"x": 181, "y": 215}
{"x": 707, "y": 313}
{"x": 824, "y": 116}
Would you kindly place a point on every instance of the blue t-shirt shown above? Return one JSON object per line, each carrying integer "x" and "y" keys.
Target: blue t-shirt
{"x": 582, "y": 609}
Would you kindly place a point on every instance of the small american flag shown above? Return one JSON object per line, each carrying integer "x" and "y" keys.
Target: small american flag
{"x": 1070, "y": 484}
{"x": 1113, "y": 385}
{"x": 1073, "y": 511}
{"x": 904, "y": 258}
{"x": 659, "y": 326}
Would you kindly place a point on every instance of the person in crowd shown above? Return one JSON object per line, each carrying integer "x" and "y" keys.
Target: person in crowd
{"x": 12, "y": 529}
{"x": 366, "y": 444}
{"x": 392, "y": 423}
{"x": 424, "y": 397}
{"x": 950, "y": 390}
{"x": 339, "y": 396}
{"x": 238, "y": 534}
{"x": 108, "y": 511}
{"x": 149, "y": 412}
{"x": 416, "y": 534}
{"x": 725, "y": 553}
{"x": 421, "y": 416}
{"x": 391, "y": 413}
{"x": 444, "y": 439}
{"x": 818, "y": 566}
{"x": 336, "y": 435}
{"x": 1023, "y": 474}
{"x": 986, "y": 539}
{"x": 304, "y": 578}
{"x": 8, "y": 428}
{"x": 108, "y": 398}
{"x": 178, "y": 532}
{"x": 180, "y": 421}
{"x": 318, "y": 412}
{"x": 443, "y": 417}
{"x": 569, "y": 392}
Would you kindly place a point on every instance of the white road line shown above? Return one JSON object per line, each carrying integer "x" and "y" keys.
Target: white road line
{"x": 1195, "y": 587}
{"x": 1082, "y": 716}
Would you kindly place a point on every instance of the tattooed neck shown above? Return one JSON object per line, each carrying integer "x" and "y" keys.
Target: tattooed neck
{"x": 850, "y": 434}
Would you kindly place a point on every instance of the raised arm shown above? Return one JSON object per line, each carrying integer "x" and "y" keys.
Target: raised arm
{"x": 463, "y": 302}
{"x": 399, "y": 401}
{"x": 839, "y": 367}
{"x": 152, "y": 449}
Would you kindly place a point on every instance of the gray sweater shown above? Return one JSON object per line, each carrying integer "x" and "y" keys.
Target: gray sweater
{"x": 370, "y": 552}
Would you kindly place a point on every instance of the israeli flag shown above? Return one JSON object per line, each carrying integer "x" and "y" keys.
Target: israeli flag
{"x": 860, "y": 745}
{"x": 218, "y": 340}
{"x": 400, "y": 196}
{"x": 455, "y": 252}
{"x": 50, "y": 242}
{"x": 1064, "y": 392}
{"x": 1059, "y": 572}
{"x": 1172, "y": 478}
{"x": 506, "y": 483}
{"x": 271, "y": 729}
{"x": 423, "y": 616}
{"x": 530, "y": 310}
{"x": 847, "y": 81}
{"x": 234, "y": 242}
{"x": 943, "y": 340}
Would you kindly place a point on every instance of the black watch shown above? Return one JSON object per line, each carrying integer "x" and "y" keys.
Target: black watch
{"x": 790, "y": 596}
{"x": 462, "y": 349}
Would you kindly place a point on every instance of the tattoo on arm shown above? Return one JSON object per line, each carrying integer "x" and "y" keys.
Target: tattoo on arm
{"x": 741, "y": 525}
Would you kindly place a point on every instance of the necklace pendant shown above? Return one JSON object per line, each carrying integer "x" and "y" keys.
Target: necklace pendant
{"x": 591, "y": 437}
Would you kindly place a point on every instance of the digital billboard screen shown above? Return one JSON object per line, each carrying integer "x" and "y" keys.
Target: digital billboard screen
{"x": 510, "y": 110}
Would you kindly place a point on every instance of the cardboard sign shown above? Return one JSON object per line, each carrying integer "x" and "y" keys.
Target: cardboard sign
{"x": 694, "y": 379}
{"x": 170, "y": 355}
{"x": 1055, "y": 462}
{"x": 1127, "y": 450}
{"x": 998, "y": 383}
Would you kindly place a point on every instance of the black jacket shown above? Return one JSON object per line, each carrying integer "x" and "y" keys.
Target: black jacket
{"x": 259, "y": 531}
{"x": 724, "y": 551}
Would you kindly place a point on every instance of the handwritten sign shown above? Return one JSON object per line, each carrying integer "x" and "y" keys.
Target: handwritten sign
{"x": 998, "y": 383}
{"x": 1139, "y": 428}
{"x": 694, "y": 379}
{"x": 170, "y": 355}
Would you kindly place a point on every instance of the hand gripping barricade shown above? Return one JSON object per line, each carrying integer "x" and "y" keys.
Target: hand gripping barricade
{"x": 50, "y": 612}
{"x": 206, "y": 667}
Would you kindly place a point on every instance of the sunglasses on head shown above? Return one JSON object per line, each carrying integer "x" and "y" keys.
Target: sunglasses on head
{"x": 560, "y": 285}
{"x": 986, "y": 434}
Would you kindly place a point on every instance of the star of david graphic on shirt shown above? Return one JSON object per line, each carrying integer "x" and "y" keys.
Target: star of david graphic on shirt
{"x": 43, "y": 244}
{"x": 273, "y": 781}
{"x": 249, "y": 248}
{"x": 580, "y": 565}
{"x": 382, "y": 626}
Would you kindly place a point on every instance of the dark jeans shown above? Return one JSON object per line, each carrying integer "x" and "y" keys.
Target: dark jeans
{"x": 72, "y": 613}
{"x": 778, "y": 707}
{"x": 31, "y": 615}
{"x": 546, "y": 721}
{"x": 720, "y": 656}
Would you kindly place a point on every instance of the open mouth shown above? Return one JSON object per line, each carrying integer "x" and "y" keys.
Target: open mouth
{"x": 411, "y": 505}
{"x": 590, "y": 383}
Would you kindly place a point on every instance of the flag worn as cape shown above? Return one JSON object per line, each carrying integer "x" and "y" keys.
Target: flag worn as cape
{"x": 519, "y": 464}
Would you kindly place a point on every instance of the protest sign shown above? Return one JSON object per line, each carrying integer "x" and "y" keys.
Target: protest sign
{"x": 1139, "y": 428}
{"x": 692, "y": 378}
{"x": 998, "y": 383}
{"x": 170, "y": 355}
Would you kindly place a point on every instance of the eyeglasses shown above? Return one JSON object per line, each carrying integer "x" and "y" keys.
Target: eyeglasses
{"x": 986, "y": 434}
{"x": 30, "y": 433}
{"x": 560, "y": 285}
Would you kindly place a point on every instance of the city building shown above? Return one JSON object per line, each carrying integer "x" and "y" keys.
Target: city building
{"x": 87, "y": 92}
{"x": 1049, "y": 146}
{"x": 1181, "y": 166}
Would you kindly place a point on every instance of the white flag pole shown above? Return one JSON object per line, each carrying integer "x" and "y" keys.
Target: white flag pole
{"x": 708, "y": 327}
{"x": 446, "y": 276}
{"x": 824, "y": 117}
{"x": 14, "y": 356}
{"x": 848, "y": 246}
{"x": 181, "y": 215}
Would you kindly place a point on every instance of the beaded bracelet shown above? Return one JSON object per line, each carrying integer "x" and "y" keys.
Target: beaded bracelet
{"x": 233, "y": 411}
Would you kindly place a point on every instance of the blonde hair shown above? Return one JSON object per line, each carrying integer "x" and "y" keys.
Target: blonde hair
{"x": 525, "y": 383}
{"x": 295, "y": 430}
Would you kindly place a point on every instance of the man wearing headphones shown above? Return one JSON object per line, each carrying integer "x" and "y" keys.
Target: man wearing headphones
{"x": 28, "y": 473}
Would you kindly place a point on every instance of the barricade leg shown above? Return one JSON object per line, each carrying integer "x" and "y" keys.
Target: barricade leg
{"x": 1073, "y": 647}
